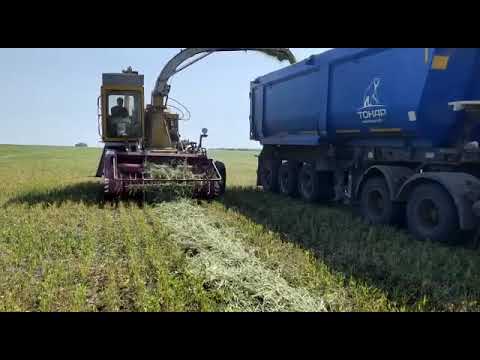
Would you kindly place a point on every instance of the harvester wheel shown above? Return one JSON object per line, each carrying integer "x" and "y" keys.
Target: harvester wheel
{"x": 431, "y": 214}
{"x": 269, "y": 174}
{"x": 107, "y": 197}
{"x": 223, "y": 172}
{"x": 287, "y": 179}
{"x": 376, "y": 205}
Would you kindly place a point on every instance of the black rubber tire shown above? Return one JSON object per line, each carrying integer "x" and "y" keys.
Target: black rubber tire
{"x": 108, "y": 197}
{"x": 444, "y": 227}
{"x": 309, "y": 184}
{"x": 288, "y": 179}
{"x": 269, "y": 174}
{"x": 220, "y": 189}
{"x": 376, "y": 205}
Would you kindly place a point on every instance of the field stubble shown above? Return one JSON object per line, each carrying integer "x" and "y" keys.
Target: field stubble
{"x": 62, "y": 248}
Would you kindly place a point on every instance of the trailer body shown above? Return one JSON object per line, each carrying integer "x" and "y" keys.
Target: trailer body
{"x": 396, "y": 97}
{"x": 376, "y": 126}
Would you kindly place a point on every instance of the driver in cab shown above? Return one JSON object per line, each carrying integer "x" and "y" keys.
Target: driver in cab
{"x": 119, "y": 110}
{"x": 121, "y": 118}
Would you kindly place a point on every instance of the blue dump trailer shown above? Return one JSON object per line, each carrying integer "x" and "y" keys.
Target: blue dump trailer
{"x": 394, "y": 131}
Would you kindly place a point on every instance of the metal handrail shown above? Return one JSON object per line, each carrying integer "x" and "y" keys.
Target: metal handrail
{"x": 99, "y": 115}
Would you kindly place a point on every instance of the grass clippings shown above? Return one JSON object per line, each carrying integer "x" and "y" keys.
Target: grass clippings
{"x": 216, "y": 254}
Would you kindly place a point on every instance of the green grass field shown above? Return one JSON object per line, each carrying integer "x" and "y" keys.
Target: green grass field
{"x": 63, "y": 249}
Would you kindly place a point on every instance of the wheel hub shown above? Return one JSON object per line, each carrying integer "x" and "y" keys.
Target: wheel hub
{"x": 376, "y": 203}
{"x": 428, "y": 213}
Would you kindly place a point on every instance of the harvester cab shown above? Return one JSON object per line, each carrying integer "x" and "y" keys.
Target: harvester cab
{"x": 121, "y": 108}
{"x": 143, "y": 148}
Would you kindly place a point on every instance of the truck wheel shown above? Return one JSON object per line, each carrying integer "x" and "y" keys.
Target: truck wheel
{"x": 287, "y": 179}
{"x": 269, "y": 175}
{"x": 308, "y": 183}
{"x": 376, "y": 204}
{"x": 431, "y": 214}
{"x": 223, "y": 184}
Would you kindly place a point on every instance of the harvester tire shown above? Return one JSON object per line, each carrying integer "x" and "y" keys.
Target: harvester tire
{"x": 269, "y": 174}
{"x": 223, "y": 184}
{"x": 432, "y": 215}
{"x": 287, "y": 179}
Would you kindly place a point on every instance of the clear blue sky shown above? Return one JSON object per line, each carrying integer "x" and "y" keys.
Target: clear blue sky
{"x": 49, "y": 96}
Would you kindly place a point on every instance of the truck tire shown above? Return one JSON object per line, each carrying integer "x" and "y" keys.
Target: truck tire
{"x": 309, "y": 184}
{"x": 220, "y": 188}
{"x": 432, "y": 215}
{"x": 287, "y": 179}
{"x": 376, "y": 205}
{"x": 269, "y": 174}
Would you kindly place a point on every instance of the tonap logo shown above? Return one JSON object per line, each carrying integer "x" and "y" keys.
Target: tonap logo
{"x": 372, "y": 111}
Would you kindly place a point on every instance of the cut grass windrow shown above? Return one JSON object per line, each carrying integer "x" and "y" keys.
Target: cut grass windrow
{"x": 216, "y": 254}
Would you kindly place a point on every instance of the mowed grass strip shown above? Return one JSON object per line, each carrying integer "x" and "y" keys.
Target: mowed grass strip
{"x": 216, "y": 253}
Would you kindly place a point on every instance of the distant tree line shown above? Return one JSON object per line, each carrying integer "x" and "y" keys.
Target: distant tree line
{"x": 81, "y": 145}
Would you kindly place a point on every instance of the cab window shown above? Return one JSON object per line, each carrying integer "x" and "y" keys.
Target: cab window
{"x": 124, "y": 113}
